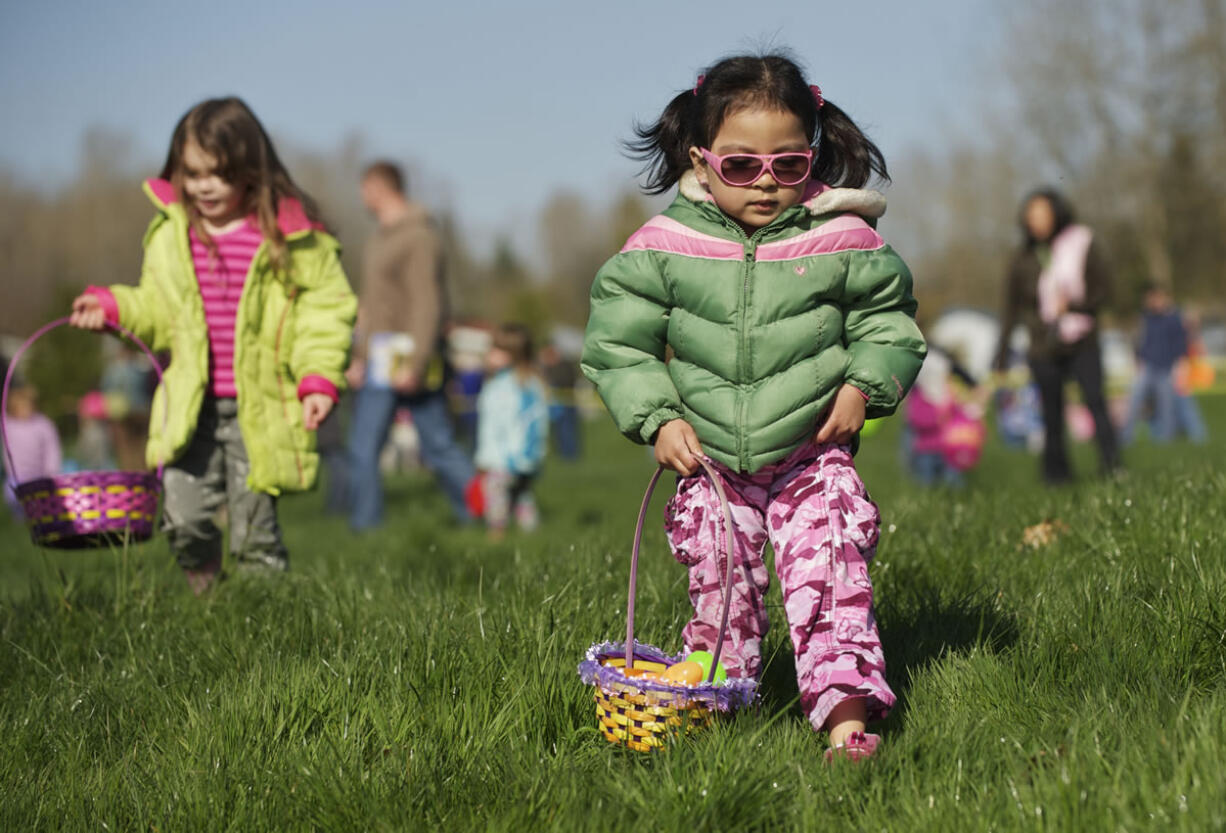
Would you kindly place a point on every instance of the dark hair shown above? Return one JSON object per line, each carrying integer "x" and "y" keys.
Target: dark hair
{"x": 515, "y": 339}
{"x": 227, "y": 130}
{"x": 1061, "y": 209}
{"x": 845, "y": 156}
{"x": 388, "y": 171}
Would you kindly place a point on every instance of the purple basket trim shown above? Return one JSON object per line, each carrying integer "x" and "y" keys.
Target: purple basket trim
{"x": 726, "y": 696}
{"x": 90, "y": 508}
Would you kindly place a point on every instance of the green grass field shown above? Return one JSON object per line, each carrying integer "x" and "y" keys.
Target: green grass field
{"x": 424, "y": 679}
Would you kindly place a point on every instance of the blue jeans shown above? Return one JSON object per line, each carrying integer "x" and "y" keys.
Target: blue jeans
{"x": 1159, "y": 385}
{"x": 564, "y": 425}
{"x": 373, "y": 411}
{"x": 1188, "y": 421}
{"x": 930, "y": 469}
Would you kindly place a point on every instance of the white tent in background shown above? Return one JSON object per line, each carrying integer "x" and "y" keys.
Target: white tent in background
{"x": 970, "y": 335}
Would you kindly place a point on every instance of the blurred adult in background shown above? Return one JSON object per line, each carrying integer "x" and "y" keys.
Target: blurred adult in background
{"x": 1163, "y": 342}
{"x": 561, "y": 375}
{"x": 398, "y": 353}
{"x": 1056, "y": 285}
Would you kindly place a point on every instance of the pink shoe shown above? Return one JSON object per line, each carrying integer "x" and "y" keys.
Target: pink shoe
{"x": 857, "y": 746}
{"x": 202, "y": 580}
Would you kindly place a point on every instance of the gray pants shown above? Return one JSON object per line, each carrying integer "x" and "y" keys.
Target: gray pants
{"x": 211, "y": 472}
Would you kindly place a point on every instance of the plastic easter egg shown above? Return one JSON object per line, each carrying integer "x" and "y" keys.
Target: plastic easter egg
{"x": 683, "y": 673}
{"x": 871, "y": 426}
{"x": 704, "y": 659}
{"x": 640, "y": 674}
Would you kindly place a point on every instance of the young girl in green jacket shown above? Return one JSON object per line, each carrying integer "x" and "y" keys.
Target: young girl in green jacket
{"x": 789, "y": 321}
{"x": 244, "y": 288}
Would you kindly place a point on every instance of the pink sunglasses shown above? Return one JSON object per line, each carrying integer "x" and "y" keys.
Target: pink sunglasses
{"x": 741, "y": 169}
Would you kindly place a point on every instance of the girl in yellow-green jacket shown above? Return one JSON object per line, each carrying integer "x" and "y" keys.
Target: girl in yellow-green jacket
{"x": 245, "y": 289}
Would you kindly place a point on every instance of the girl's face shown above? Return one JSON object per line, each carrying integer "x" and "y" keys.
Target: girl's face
{"x": 1040, "y": 219}
{"x": 754, "y": 130}
{"x": 218, "y": 202}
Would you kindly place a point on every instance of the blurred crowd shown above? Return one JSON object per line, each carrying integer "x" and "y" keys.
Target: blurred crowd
{"x": 481, "y": 404}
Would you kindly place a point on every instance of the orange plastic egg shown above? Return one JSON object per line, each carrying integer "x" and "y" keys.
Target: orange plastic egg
{"x": 640, "y": 673}
{"x": 683, "y": 673}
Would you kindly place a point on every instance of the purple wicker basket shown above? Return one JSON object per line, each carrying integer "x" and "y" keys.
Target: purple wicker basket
{"x": 86, "y": 508}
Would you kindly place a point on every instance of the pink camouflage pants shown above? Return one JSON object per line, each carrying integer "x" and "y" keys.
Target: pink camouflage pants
{"x": 816, "y": 513}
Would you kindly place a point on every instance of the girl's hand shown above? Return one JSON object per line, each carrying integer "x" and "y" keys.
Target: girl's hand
{"x": 677, "y": 447}
{"x": 315, "y": 409}
{"x": 845, "y": 418}
{"x": 87, "y": 312}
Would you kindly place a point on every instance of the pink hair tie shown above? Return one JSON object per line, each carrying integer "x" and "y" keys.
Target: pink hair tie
{"x": 698, "y": 83}
{"x": 817, "y": 94}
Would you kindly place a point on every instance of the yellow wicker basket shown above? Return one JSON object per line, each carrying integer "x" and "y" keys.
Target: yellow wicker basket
{"x": 643, "y": 713}
{"x": 642, "y": 720}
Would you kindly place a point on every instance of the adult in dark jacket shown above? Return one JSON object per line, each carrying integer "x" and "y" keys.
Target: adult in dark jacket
{"x": 1057, "y": 283}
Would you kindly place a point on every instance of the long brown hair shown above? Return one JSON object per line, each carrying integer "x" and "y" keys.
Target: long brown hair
{"x": 226, "y": 129}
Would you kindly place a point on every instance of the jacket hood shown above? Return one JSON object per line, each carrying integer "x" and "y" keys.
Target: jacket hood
{"x": 291, "y": 216}
{"x": 819, "y": 197}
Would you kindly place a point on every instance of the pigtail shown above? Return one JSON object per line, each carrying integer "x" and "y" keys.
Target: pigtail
{"x": 664, "y": 146}
{"x": 846, "y": 158}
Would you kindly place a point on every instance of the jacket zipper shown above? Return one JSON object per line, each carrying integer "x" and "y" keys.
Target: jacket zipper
{"x": 751, "y": 246}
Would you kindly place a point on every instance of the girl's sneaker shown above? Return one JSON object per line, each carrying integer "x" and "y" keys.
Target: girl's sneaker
{"x": 202, "y": 580}
{"x": 857, "y": 746}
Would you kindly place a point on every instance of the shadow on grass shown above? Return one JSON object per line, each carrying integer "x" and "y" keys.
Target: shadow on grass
{"x": 917, "y": 627}
{"x": 927, "y": 624}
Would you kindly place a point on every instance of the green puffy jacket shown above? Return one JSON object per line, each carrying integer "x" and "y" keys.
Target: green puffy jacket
{"x": 764, "y": 329}
{"x": 292, "y": 336}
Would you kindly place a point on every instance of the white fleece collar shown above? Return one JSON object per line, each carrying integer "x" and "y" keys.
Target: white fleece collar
{"x": 862, "y": 201}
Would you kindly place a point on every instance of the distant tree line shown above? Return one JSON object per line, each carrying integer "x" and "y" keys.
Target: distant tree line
{"x": 1121, "y": 104}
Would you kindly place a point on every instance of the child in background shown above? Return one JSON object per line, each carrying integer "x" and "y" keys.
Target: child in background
{"x": 244, "y": 287}
{"x": 1193, "y": 372}
{"x": 33, "y": 443}
{"x": 1163, "y": 342}
{"x": 789, "y": 321}
{"x": 512, "y": 427}
{"x": 941, "y": 430}
{"x": 126, "y": 386}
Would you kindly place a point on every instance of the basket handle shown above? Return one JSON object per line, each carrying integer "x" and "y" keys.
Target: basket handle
{"x": 717, "y": 482}
{"x": 39, "y": 333}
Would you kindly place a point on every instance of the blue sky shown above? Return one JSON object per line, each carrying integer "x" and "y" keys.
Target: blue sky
{"x": 498, "y": 105}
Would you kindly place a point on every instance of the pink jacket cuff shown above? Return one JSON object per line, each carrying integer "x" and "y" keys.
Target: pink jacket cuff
{"x": 109, "y": 305}
{"x": 317, "y": 384}
{"x": 861, "y": 392}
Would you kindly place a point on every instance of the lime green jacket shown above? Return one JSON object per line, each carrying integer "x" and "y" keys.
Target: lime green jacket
{"x": 763, "y": 329}
{"x": 292, "y": 337}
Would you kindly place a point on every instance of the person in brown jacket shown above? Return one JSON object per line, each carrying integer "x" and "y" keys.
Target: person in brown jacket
{"x": 398, "y": 351}
{"x": 1057, "y": 283}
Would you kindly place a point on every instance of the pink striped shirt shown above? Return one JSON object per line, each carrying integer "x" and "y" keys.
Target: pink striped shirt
{"x": 221, "y": 273}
